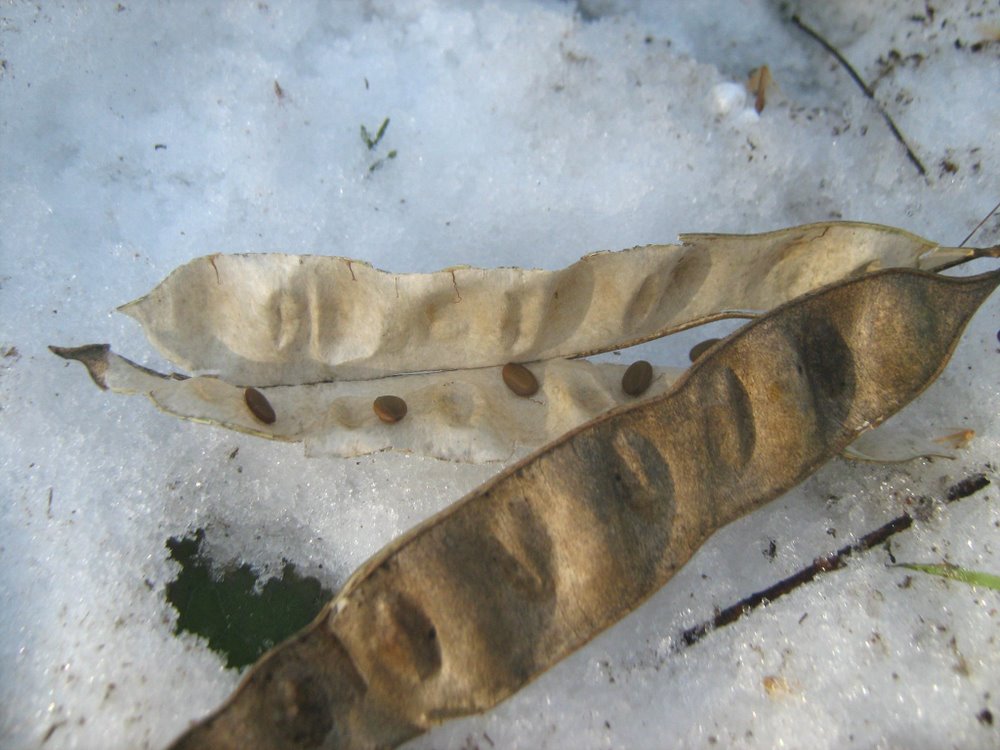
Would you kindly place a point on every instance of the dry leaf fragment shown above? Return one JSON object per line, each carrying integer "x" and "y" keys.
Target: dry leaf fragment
{"x": 758, "y": 84}
{"x": 957, "y": 440}
{"x": 776, "y": 686}
{"x": 894, "y": 444}
{"x": 286, "y": 319}
{"x": 463, "y": 610}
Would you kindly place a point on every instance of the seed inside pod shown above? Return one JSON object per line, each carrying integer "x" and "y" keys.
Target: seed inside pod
{"x": 637, "y": 378}
{"x": 519, "y": 379}
{"x": 259, "y": 406}
{"x": 389, "y": 409}
{"x": 698, "y": 349}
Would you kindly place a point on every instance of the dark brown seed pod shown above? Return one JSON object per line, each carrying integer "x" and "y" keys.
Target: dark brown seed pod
{"x": 519, "y": 379}
{"x": 259, "y": 406}
{"x": 390, "y": 409}
{"x": 637, "y": 378}
{"x": 698, "y": 349}
{"x": 494, "y": 590}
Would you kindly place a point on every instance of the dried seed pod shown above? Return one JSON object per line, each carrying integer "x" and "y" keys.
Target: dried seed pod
{"x": 390, "y": 409}
{"x": 700, "y": 348}
{"x": 462, "y": 611}
{"x": 637, "y": 378}
{"x": 519, "y": 379}
{"x": 299, "y": 323}
{"x": 288, "y": 319}
{"x": 333, "y": 419}
{"x": 259, "y": 406}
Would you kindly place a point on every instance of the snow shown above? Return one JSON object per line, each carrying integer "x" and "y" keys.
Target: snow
{"x": 136, "y": 136}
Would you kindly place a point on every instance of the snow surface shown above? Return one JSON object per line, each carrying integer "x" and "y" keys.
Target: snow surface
{"x": 135, "y": 136}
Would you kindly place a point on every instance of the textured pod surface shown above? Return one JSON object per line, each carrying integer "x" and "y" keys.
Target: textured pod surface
{"x": 284, "y": 319}
{"x": 312, "y": 336}
{"x": 465, "y": 609}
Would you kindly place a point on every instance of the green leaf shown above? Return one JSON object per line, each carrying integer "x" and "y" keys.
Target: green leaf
{"x": 945, "y": 570}
{"x": 370, "y": 142}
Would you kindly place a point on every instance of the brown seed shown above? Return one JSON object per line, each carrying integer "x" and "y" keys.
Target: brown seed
{"x": 389, "y": 409}
{"x": 637, "y": 378}
{"x": 259, "y": 406}
{"x": 519, "y": 379}
{"x": 698, "y": 349}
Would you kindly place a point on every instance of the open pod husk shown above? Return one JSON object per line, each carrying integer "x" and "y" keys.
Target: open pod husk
{"x": 470, "y": 605}
{"x": 322, "y": 337}
{"x": 462, "y": 415}
{"x": 270, "y": 319}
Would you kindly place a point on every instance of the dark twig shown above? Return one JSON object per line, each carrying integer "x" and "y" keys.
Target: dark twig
{"x": 968, "y": 486}
{"x": 865, "y": 88}
{"x": 980, "y": 224}
{"x": 833, "y": 561}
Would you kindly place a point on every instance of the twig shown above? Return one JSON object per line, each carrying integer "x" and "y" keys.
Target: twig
{"x": 980, "y": 224}
{"x": 865, "y": 88}
{"x": 820, "y": 565}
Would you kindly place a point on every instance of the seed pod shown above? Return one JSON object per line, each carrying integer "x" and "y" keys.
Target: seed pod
{"x": 637, "y": 378}
{"x": 261, "y": 319}
{"x": 259, "y": 406}
{"x": 390, "y": 409}
{"x": 258, "y": 320}
{"x": 462, "y": 611}
{"x": 333, "y": 419}
{"x": 519, "y": 379}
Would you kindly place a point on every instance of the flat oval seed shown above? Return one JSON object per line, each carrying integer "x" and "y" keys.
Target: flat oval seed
{"x": 519, "y": 379}
{"x": 698, "y": 349}
{"x": 259, "y": 406}
{"x": 637, "y": 378}
{"x": 389, "y": 409}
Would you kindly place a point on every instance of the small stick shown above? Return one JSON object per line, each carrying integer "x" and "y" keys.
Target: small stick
{"x": 825, "y": 564}
{"x": 980, "y": 224}
{"x": 820, "y": 565}
{"x": 865, "y": 88}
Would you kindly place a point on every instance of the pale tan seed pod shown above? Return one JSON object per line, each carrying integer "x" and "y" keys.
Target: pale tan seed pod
{"x": 462, "y": 611}
{"x": 465, "y": 415}
{"x": 309, "y": 333}
{"x": 274, "y": 319}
